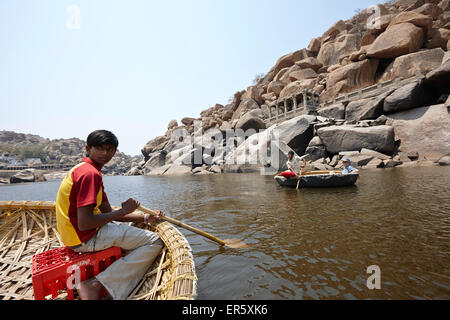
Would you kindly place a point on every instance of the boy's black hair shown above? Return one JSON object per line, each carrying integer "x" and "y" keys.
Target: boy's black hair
{"x": 101, "y": 137}
{"x": 291, "y": 152}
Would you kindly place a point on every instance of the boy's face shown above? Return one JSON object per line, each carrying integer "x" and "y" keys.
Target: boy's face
{"x": 101, "y": 154}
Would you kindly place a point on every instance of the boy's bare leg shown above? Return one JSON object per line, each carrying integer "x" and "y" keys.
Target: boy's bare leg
{"x": 90, "y": 289}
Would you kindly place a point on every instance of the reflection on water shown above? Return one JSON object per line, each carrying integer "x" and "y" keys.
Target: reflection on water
{"x": 308, "y": 243}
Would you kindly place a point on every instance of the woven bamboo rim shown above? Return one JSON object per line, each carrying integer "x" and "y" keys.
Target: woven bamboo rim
{"x": 29, "y": 227}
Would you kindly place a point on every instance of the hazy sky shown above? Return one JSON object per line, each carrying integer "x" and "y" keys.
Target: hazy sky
{"x": 132, "y": 66}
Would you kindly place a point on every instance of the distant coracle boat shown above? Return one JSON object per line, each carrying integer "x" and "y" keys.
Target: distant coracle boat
{"x": 318, "y": 179}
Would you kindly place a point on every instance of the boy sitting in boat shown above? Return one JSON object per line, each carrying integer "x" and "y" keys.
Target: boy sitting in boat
{"x": 294, "y": 163}
{"x": 85, "y": 218}
{"x": 348, "y": 168}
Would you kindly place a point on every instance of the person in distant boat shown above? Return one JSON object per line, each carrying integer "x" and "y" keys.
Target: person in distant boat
{"x": 294, "y": 163}
{"x": 85, "y": 218}
{"x": 348, "y": 168}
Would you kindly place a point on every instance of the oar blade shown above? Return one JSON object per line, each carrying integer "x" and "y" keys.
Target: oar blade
{"x": 235, "y": 244}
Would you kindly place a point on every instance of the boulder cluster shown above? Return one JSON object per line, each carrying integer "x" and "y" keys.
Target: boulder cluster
{"x": 396, "y": 40}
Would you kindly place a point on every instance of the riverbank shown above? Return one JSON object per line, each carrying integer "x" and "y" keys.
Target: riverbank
{"x": 185, "y": 171}
{"x": 33, "y": 175}
{"x": 30, "y": 175}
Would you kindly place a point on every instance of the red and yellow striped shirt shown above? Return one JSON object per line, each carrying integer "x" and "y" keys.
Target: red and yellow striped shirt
{"x": 82, "y": 186}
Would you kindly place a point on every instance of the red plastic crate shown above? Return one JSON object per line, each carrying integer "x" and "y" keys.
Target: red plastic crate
{"x": 53, "y": 269}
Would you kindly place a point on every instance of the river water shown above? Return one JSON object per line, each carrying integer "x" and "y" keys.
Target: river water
{"x": 304, "y": 244}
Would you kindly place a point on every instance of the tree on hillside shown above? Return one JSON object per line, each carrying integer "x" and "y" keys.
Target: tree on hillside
{"x": 26, "y": 152}
{"x": 258, "y": 77}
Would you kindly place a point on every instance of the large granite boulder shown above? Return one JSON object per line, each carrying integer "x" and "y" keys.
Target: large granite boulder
{"x": 281, "y": 73}
{"x": 439, "y": 78}
{"x": 412, "y": 95}
{"x": 447, "y": 54}
{"x": 413, "y": 64}
{"x": 289, "y": 59}
{"x": 310, "y": 63}
{"x": 268, "y": 98}
{"x": 417, "y": 19}
{"x": 297, "y": 87}
{"x": 252, "y": 153}
{"x": 236, "y": 100}
{"x": 296, "y": 132}
{"x": 360, "y": 160}
{"x": 255, "y": 93}
{"x": 27, "y": 175}
{"x": 375, "y": 154}
{"x": 187, "y": 121}
{"x": 344, "y": 45}
{"x": 181, "y": 155}
{"x": 366, "y": 109}
{"x": 444, "y": 161}
{"x": 350, "y": 77}
{"x": 275, "y": 87}
{"x": 155, "y": 144}
{"x": 134, "y": 171}
{"x": 257, "y": 149}
{"x": 227, "y": 115}
{"x": 407, "y": 4}
{"x": 397, "y": 40}
{"x": 278, "y": 155}
{"x": 314, "y": 45}
{"x": 423, "y": 130}
{"x": 302, "y": 74}
{"x": 251, "y": 120}
{"x": 344, "y": 138}
{"x": 444, "y": 5}
{"x": 244, "y": 106}
{"x": 430, "y": 9}
{"x": 172, "y": 124}
{"x": 178, "y": 170}
{"x": 337, "y": 27}
{"x": 377, "y": 25}
{"x": 335, "y": 111}
{"x": 156, "y": 159}
{"x": 158, "y": 171}
{"x": 439, "y": 38}
{"x": 316, "y": 152}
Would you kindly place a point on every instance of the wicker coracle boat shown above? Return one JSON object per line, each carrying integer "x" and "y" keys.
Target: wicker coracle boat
{"x": 318, "y": 179}
{"x": 29, "y": 227}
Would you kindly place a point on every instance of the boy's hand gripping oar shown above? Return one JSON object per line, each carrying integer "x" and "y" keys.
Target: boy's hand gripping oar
{"x": 232, "y": 243}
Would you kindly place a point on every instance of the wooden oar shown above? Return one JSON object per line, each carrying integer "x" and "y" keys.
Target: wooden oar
{"x": 232, "y": 243}
{"x": 299, "y": 177}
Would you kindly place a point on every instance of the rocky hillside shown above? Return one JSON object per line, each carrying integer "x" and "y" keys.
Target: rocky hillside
{"x": 58, "y": 151}
{"x": 406, "y": 39}
{"x": 13, "y": 138}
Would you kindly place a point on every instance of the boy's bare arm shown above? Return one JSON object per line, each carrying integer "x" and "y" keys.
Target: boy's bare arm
{"x": 105, "y": 207}
{"x": 88, "y": 220}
